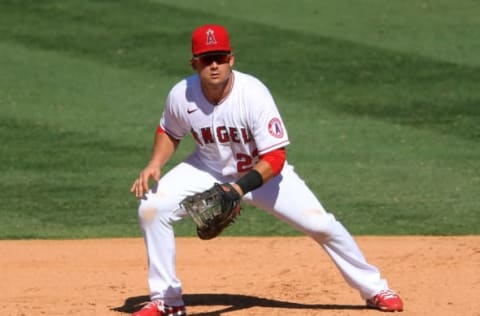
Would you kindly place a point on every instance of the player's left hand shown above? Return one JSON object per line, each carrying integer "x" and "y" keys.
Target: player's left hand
{"x": 213, "y": 210}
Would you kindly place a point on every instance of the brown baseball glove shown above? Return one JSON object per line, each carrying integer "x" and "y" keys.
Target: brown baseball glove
{"x": 213, "y": 210}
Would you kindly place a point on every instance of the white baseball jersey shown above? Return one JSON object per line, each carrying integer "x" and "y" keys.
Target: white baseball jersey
{"x": 231, "y": 135}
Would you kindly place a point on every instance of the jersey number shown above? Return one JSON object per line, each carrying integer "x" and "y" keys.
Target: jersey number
{"x": 244, "y": 162}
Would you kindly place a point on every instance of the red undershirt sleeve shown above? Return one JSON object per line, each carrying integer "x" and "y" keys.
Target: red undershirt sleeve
{"x": 276, "y": 158}
{"x": 160, "y": 130}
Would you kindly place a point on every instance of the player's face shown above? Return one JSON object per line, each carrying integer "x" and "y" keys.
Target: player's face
{"x": 214, "y": 68}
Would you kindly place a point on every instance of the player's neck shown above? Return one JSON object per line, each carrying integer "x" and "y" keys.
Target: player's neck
{"x": 216, "y": 94}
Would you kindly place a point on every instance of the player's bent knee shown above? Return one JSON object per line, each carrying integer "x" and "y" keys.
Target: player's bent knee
{"x": 147, "y": 213}
{"x": 151, "y": 210}
{"x": 318, "y": 224}
{"x": 148, "y": 210}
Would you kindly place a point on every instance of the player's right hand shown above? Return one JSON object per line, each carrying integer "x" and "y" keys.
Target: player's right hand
{"x": 140, "y": 187}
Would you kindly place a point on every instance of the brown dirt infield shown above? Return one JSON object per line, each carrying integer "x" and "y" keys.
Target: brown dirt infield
{"x": 237, "y": 276}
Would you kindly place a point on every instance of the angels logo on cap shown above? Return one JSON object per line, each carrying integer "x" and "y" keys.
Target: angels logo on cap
{"x": 210, "y": 38}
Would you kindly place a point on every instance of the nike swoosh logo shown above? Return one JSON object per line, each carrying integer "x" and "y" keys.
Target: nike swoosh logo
{"x": 191, "y": 111}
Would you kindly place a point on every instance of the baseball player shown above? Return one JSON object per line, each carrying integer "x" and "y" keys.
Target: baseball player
{"x": 240, "y": 140}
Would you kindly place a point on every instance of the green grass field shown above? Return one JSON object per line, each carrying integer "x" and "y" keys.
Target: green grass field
{"x": 381, "y": 102}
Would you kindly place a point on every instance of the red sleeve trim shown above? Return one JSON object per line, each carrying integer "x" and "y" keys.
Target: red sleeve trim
{"x": 160, "y": 130}
{"x": 276, "y": 158}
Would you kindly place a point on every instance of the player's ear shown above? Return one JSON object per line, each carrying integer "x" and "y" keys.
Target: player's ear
{"x": 193, "y": 64}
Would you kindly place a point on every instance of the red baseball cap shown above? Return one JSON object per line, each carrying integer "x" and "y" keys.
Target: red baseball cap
{"x": 210, "y": 38}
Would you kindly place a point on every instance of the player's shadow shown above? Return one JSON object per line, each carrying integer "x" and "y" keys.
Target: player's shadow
{"x": 235, "y": 302}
